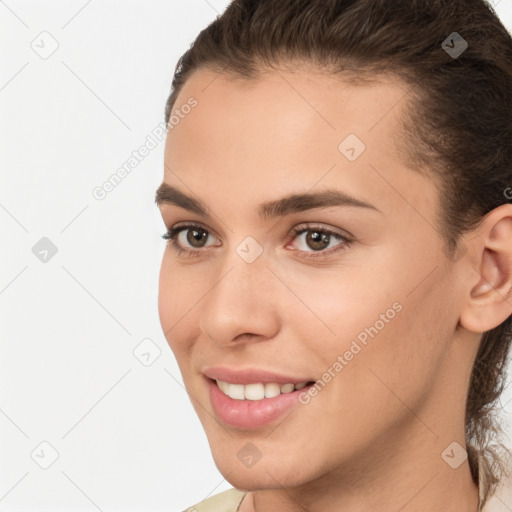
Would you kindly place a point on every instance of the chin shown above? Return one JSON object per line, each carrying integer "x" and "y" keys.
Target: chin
{"x": 249, "y": 481}
{"x": 264, "y": 474}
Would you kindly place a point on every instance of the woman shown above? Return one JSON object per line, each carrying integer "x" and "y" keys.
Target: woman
{"x": 338, "y": 277}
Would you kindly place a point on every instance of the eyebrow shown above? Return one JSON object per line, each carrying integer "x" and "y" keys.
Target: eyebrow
{"x": 293, "y": 203}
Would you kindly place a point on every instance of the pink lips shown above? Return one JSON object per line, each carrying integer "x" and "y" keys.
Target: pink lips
{"x": 250, "y": 414}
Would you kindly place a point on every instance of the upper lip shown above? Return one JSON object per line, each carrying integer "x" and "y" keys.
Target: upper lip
{"x": 251, "y": 376}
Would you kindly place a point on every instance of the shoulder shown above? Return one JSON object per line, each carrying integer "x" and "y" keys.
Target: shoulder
{"x": 502, "y": 495}
{"x": 227, "y": 501}
{"x": 501, "y": 498}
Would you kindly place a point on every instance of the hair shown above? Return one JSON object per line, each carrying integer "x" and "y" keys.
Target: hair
{"x": 457, "y": 128}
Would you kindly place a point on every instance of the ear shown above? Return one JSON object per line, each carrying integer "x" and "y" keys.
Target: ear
{"x": 489, "y": 294}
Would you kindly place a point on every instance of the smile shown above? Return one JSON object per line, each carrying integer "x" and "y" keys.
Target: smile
{"x": 254, "y": 410}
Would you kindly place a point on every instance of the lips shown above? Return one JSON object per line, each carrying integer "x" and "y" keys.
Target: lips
{"x": 250, "y": 414}
{"x": 253, "y": 375}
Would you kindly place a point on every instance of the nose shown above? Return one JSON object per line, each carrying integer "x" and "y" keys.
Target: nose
{"x": 242, "y": 305}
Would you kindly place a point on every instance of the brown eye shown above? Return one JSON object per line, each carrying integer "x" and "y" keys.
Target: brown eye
{"x": 317, "y": 240}
{"x": 190, "y": 239}
{"x": 196, "y": 237}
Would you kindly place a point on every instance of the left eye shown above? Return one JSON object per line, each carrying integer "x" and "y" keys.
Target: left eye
{"x": 317, "y": 239}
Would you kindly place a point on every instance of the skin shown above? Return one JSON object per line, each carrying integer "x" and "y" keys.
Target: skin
{"x": 372, "y": 439}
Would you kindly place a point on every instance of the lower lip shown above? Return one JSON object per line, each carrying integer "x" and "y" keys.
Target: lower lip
{"x": 251, "y": 414}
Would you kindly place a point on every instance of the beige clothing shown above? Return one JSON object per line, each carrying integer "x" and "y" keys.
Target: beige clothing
{"x": 230, "y": 501}
{"x": 227, "y": 501}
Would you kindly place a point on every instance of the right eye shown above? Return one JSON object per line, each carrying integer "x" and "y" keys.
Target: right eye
{"x": 181, "y": 236}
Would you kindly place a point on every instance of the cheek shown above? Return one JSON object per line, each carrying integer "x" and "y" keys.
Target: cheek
{"x": 341, "y": 303}
{"x": 180, "y": 292}
{"x": 392, "y": 347}
{"x": 373, "y": 321}
{"x": 164, "y": 294}
{"x": 173, "y": 300}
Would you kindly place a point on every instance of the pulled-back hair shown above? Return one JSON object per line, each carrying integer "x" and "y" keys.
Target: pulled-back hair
{"x": 457, "y": 128}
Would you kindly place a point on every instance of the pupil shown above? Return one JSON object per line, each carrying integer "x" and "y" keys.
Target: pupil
{"x": 314, "y": 238}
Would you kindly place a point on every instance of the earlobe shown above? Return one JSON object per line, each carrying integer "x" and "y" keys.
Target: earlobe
{"x": 489, "y": 302}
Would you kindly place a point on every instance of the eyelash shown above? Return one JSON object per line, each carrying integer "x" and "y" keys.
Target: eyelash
{"x": 173, "y": 232}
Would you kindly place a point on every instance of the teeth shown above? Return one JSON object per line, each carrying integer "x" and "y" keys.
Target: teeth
{"x": 236, "y": 391}
{"x": 256, "y": 391}
{"x": 287, "y": 388}
{"x": 272, "y": 390}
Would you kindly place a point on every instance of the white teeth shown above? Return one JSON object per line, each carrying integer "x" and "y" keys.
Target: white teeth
{"x": 272, "y": 390}
{"x": 236, "y": 391}
{"x": 256, "y": 391}
{"x": 223, "y": 386}
{"x": 287, "y": 388}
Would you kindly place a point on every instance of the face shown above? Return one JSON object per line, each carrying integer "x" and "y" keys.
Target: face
{"x": 341, "y": 288}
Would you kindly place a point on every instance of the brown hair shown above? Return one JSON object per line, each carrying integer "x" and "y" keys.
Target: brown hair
{"x": 458, "y": 124}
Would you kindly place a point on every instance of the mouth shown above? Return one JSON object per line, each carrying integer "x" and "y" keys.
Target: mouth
{"x": 247, "y": 406}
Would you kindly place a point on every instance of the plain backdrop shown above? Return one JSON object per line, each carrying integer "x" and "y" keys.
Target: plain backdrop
{"x": 93, "y": 413}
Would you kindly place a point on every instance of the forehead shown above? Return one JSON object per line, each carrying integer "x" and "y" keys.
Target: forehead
{"x": 298, "y": 128}
{"x": 312, "y": 96}
{"x": 282, "y": 109}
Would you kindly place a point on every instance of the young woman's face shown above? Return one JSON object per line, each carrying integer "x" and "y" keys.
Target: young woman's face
{"x": 361, "y": 299}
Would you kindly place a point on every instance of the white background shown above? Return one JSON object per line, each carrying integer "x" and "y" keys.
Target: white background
{"x": 126, "y": 434}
